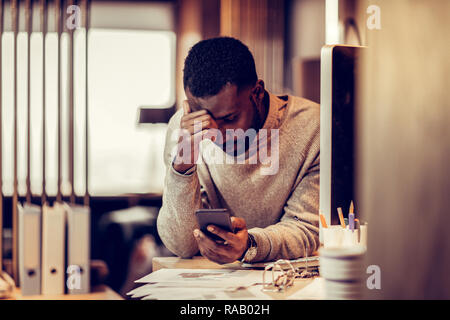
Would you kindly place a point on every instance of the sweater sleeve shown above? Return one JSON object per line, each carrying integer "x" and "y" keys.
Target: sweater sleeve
{"x": 182, "y": 195}
{"x": 297, "y": 233}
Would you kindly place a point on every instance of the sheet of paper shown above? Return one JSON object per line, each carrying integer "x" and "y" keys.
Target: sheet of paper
{"x": 197, "y": 284}
{"x": 171, "y": 293}
{"x": 181, "y": 285}
{"x": 249, "y": 293}
{"x": 220, "y": 278}
{"x": 141, "y": 291}
{"x": 313, "y": 291}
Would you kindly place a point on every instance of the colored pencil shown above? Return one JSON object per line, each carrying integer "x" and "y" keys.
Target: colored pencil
{"x": 341, "y": 217}
{"x": 322, "y": 219}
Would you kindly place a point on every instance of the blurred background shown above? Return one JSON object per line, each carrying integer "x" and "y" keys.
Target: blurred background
{"x": 136, "y": 52}
{"x": 135, "y": 56}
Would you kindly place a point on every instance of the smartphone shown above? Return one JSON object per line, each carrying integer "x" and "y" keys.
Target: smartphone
{"x": 217, "y": 217}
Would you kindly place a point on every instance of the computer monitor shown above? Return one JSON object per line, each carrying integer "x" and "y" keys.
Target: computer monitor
{"x": 337, "y": 129}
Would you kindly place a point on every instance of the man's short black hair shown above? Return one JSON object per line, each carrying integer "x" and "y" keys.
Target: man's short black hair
{"x": 213, "y": 63}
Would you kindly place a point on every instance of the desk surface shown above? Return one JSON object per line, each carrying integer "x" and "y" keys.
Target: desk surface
{"x": 100, "y": 292}
{"x": 196, "y": 262}
{"x": 199, "y": 262}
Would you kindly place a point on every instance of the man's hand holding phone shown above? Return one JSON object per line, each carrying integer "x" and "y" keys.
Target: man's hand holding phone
{"x": 195, "y": 125}
{"x": 235, "y": 243}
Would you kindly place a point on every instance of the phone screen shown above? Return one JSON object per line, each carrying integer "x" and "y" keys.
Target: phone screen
{"x": 217, "y": 217}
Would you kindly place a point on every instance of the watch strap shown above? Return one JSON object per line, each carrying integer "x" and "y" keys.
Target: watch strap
{"x": 251, "y": 252}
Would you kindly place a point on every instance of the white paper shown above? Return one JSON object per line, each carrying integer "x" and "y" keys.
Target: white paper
{"x": 140, "y": 291}
{"x": 172, "y": 293}
{"x": 313, "y": 291}
{"x": 249, "y": 293}
{"x": 180, "y": 293}
{"x": 214, "y": 284}
{"x": 219, "y": 278}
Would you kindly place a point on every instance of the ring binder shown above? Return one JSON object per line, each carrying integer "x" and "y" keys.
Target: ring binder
{"x": 29, "y": 217}
{"x": 53, "y": 249}
{"x": 78, "y": 246}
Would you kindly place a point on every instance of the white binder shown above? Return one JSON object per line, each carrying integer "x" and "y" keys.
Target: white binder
{"x": 78, "y": 249}
{"x": 53, "y": 249}
{"x": 29, "y": 249}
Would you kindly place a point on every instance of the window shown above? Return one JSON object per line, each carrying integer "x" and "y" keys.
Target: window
{"x": 127, "y": 69}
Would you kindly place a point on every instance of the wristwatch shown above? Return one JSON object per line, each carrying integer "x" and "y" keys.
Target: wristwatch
{"x": 252, "y": 250}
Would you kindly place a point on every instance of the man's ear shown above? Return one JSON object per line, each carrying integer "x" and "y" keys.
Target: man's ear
{"x": 258, "y": 91}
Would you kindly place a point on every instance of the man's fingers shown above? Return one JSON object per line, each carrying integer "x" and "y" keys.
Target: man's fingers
{"x": 195, "y": 114}
{"x": 238, "y": 223}
{"x": 197, "y": 125}
{"x": 186, "y": 107}
{"x": 198, "y": 135}
{"x": 190, "y": 137}
{"x": 206, "y": 242}
{"x": 213, "y": 123}
{"x": 210, "y": 254}
{"x": 188, "y": 122}
{"x": 216, "y": 252}
{"x": 225, "y": 235}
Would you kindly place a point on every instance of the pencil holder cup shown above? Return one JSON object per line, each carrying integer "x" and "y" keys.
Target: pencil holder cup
{"x": 342, "y": 269}
{"x": 332, "y": 236}
{"x": 363, "y": 235}
{"x": 350, "y": 238}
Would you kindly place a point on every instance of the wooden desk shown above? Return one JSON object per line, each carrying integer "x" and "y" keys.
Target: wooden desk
{"x": 101, "y": 292}
{"x": 199, "y": 262}
{"x": 196, "y": 262}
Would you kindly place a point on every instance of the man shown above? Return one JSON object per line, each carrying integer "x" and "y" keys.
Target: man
{"x": 275, "y": 212}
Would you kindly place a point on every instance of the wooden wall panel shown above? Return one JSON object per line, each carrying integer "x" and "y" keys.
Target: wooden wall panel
{"x": 196, "y": 20}
{"x": 260, "y": 25}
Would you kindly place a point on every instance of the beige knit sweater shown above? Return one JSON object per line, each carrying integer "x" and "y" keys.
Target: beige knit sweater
{"x": 281, "y": 210}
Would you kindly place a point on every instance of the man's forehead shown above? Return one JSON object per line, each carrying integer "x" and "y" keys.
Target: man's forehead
{"x": 219, "y": 105}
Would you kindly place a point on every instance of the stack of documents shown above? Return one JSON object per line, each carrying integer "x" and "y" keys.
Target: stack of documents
{"x": 200, "y": 284}
{"x": 215, "y": 284}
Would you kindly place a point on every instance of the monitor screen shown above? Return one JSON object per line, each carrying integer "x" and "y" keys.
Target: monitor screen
{"x": 338, "y": 70}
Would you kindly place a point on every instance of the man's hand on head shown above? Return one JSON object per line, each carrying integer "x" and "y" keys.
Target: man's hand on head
{"x": 235, "y": 243}
{"x": 196, "y": 124}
